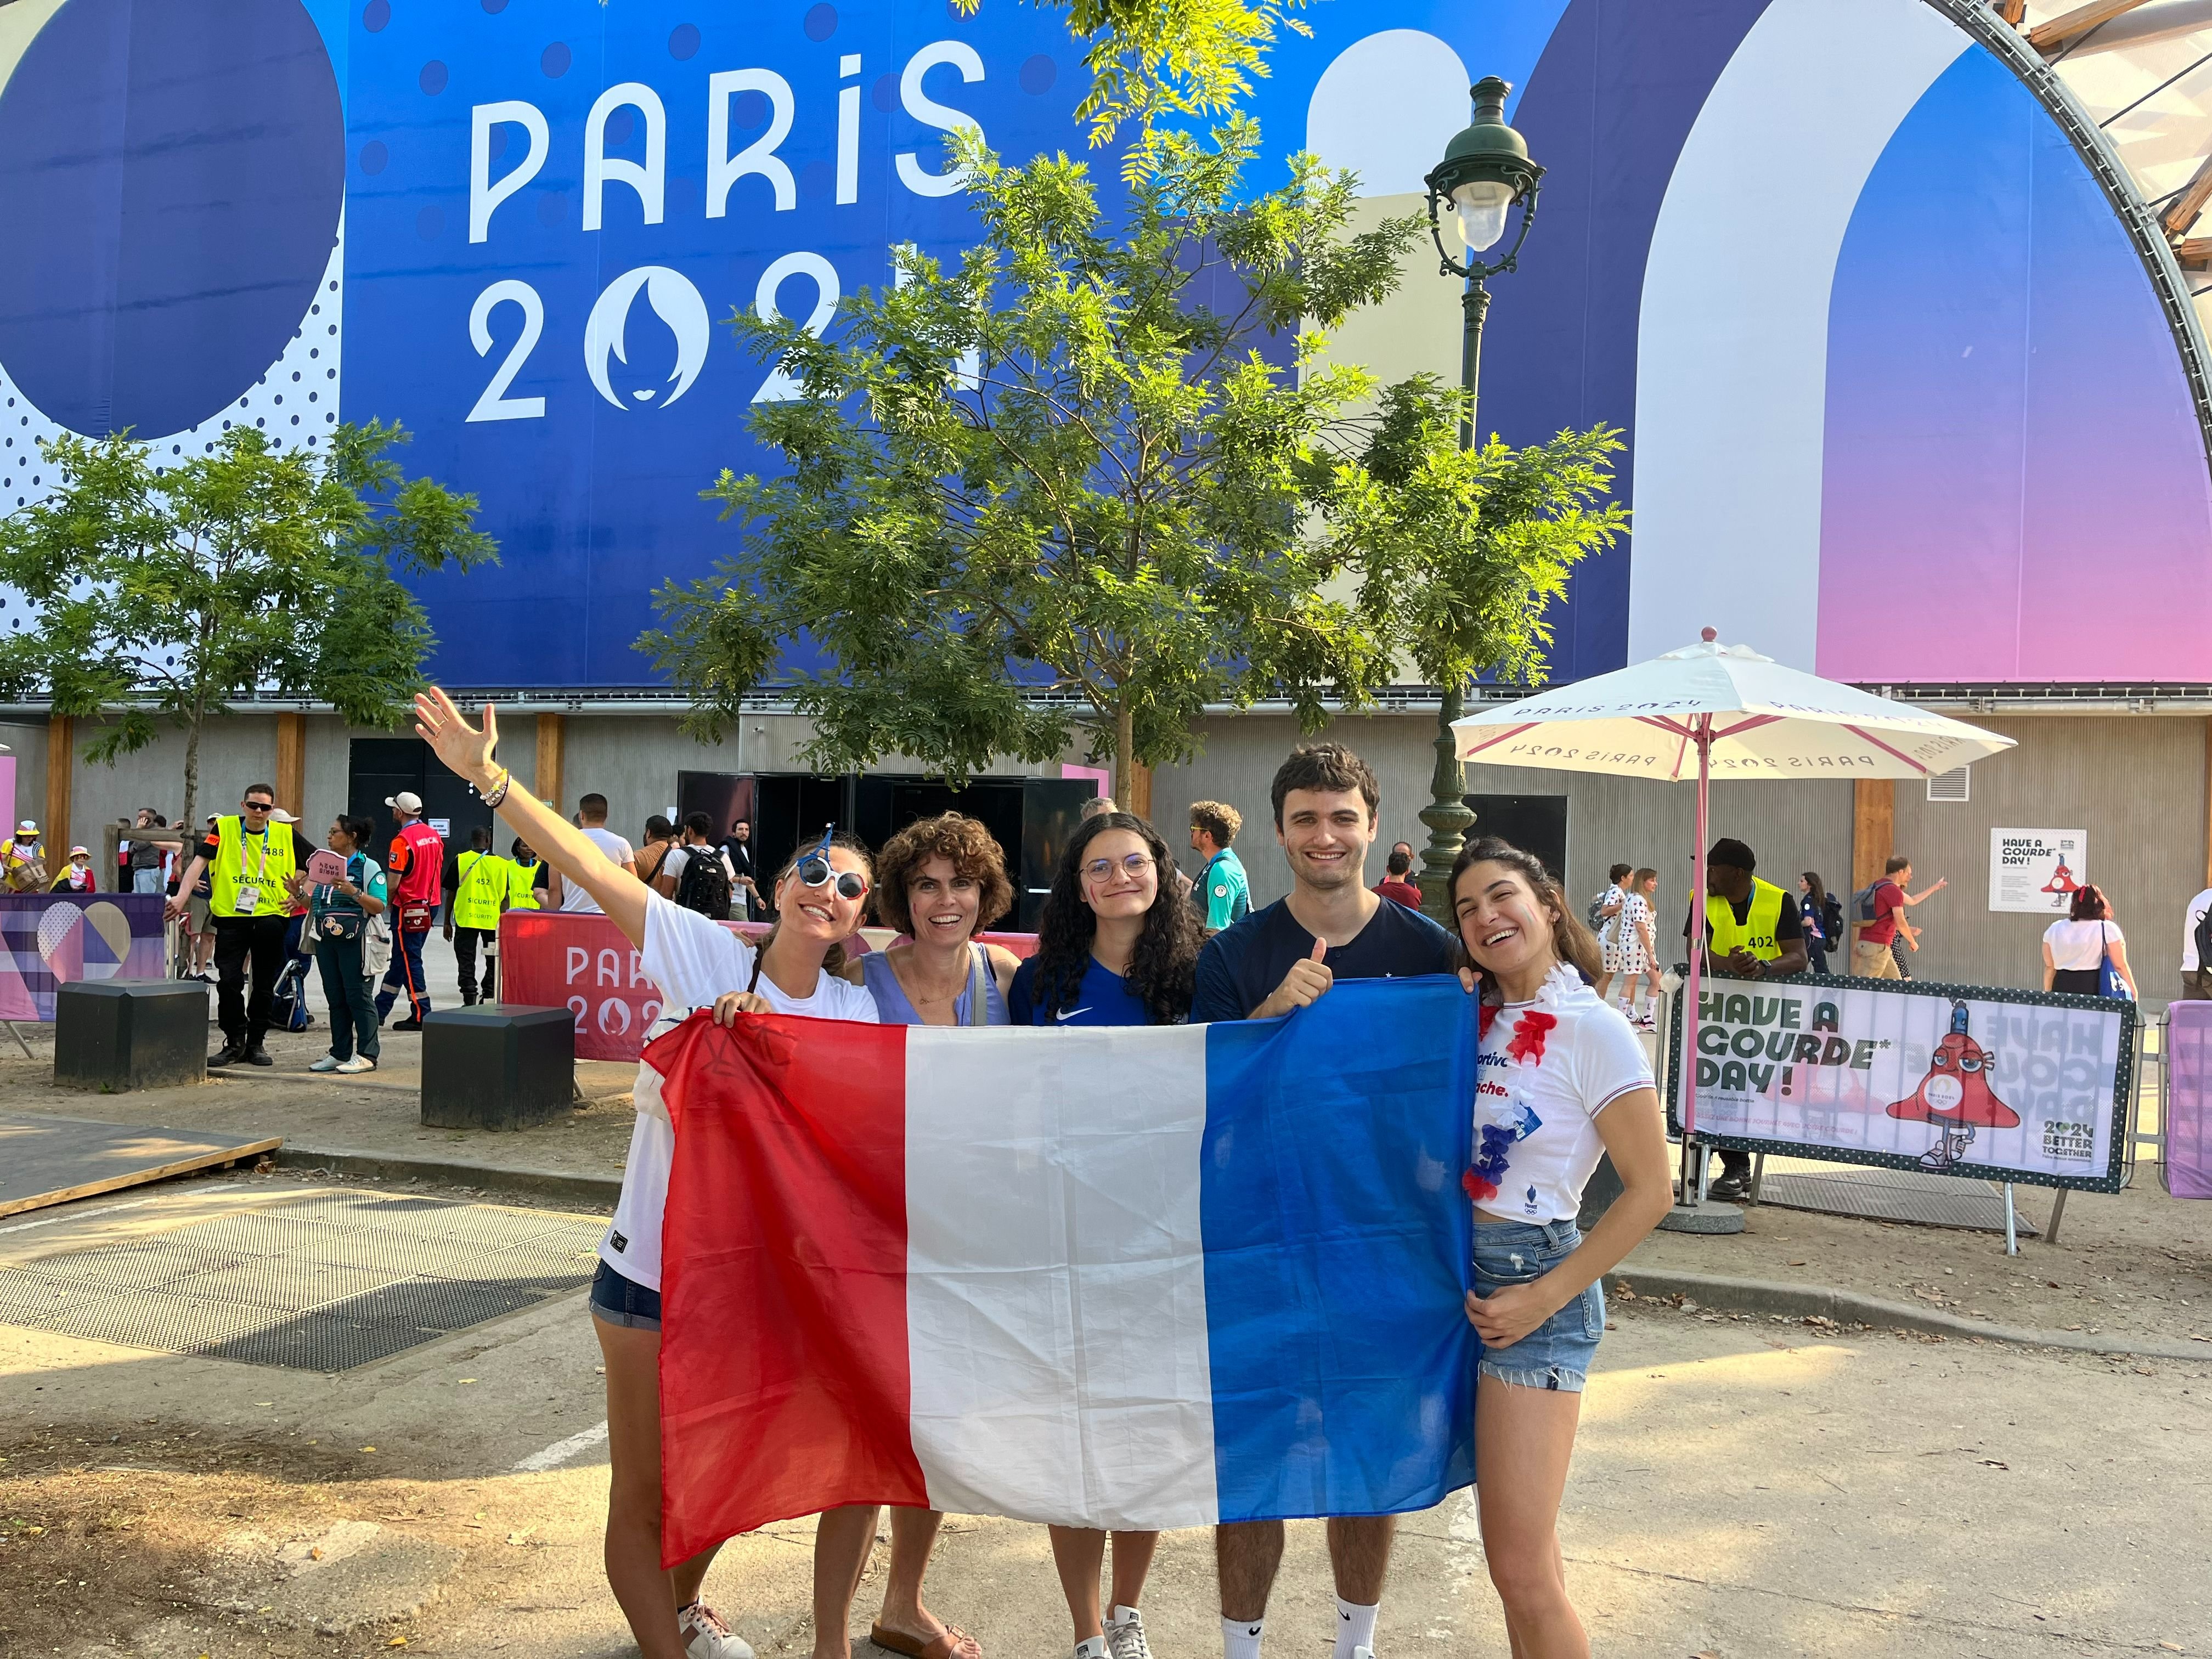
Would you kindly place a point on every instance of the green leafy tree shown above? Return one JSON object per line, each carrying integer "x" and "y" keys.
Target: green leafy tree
{"x": 1058, "y": 488}
{"x": 1463, "y": 551}
{"x": 161, "y": 591}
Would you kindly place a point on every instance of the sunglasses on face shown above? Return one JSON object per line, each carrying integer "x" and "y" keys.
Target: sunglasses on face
{"x": 259, "y": 805}
{"x": 815, "y": 870}
{"x": 1132, "y": 864}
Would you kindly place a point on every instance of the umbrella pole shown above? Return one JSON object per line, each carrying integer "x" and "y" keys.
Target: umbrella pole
{"x": 1693, "y": 1165}
{"x": 1691, "y": 1213}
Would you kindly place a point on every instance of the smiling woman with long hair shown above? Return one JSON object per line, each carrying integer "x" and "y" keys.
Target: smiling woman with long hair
{"x": 1117, "y": 945}
{"x": 1561, "y": 1080}
{"x": 820, "y": 896}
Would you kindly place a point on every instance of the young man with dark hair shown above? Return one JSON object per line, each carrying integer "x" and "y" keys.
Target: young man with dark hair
{"x": 1331, "y": 926}
{"x": 737, "y": 854}
{"x": 1397, "y": 883}
{"x": 1221, "y": 892}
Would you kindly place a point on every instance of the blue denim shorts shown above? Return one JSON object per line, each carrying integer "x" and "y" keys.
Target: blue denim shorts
{"x": 1557, "y": 1354}
{"x": 624, "y": 1302}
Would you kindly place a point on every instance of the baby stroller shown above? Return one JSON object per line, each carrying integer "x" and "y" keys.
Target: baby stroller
{"x": 288, "y": 1002}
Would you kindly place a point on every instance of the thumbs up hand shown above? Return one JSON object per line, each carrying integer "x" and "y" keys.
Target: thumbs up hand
{"x": 1307, "y": 979}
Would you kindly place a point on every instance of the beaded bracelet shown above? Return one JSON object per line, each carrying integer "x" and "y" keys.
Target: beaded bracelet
{"x": 497, "y": 792}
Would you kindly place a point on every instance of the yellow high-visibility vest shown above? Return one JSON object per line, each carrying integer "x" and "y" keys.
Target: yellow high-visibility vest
{"x": 476, "y": 898}
{"x": 265, "y": 866}
{"x": 1755, "y": 933}
{"x": 521, "y": 888}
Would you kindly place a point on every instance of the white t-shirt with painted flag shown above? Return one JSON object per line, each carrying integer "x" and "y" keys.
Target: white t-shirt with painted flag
{"x": 693, "y": 961}
{"x": 1540, "y": 1083}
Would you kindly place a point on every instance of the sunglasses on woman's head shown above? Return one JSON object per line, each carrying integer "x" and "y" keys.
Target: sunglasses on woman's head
{"x": 1133, "y": 864}
{"x": 815, "y": 870}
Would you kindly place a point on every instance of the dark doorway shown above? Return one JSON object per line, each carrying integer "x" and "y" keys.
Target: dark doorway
{"x": 1534, "y": 824}
{"x": 1030, "y": 818}
{"x": 382, "y": 767}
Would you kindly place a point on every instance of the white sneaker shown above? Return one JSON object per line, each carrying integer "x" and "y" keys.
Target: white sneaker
{"x": 1092, "y": 1647}
{"x": 705, "y": 1637}
{"x": 353, "y": 1067}
{"x": 1125, "y": 1635}
{"x": 327, "y": 1063}
{"x": 1363, "y": 1653}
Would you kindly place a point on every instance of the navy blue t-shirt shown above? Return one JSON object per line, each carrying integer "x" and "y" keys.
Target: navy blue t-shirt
{"x": 1240, "y": 967}
{"x": 1103, "y": 999}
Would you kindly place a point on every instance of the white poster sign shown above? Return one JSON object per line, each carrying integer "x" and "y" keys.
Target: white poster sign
{"x": 1948, "y": 1082}
{"x": 2037, "y": 870}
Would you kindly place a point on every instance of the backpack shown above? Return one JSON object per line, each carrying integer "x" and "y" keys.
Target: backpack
{"x": 1862, "y": 903}
{"x": 704, "y": 886}
{"x": 1595, "y": 914}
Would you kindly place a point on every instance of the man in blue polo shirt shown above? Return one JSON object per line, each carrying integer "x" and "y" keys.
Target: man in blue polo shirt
{"x": 1331, "y": 927}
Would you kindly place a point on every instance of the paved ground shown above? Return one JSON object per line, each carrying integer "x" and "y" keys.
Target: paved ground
{"x": 1740, "y": 1488}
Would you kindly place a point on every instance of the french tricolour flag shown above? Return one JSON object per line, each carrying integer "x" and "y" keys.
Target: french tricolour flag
{"x": 1144, "y": 1277}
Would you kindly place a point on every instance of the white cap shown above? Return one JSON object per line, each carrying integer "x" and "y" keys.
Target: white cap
{"x": 406, "y": 801}
{"x": 27, "y": 827}
{"x": 278, "y": 814}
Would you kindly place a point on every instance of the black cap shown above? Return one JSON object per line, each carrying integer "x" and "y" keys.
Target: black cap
{"x": 1733, "y": 853}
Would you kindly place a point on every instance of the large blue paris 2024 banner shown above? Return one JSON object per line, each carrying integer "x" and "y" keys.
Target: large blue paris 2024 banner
{"x": 515, "y": 226}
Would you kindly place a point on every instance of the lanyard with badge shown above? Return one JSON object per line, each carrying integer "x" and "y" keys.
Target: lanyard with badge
{"x": 248, "y": 902}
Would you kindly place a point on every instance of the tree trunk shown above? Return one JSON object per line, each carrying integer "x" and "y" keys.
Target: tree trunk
{"x": 191, "y": 788}
{"x": 1125, "y": 757}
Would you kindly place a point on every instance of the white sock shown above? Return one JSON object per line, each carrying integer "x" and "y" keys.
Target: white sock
{"x": 1240, "y": 1638}
{"x": 1355, "y": 1627}
{"x": 1092, "y": 1647}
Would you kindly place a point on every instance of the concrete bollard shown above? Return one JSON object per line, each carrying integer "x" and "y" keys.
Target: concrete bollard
{"x": 498, "y": 1067}
{"x": 119, "y": 1035}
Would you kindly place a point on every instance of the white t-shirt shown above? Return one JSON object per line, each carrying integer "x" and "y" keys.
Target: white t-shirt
{"x": 574, "y": 899}
{"x": 2079, "y": 945}
{"x": 1535, "y": 1124}
{"x": 681, "y": 856}
{"x": 693, "y": 961}
{"x": 2194, "y": 913}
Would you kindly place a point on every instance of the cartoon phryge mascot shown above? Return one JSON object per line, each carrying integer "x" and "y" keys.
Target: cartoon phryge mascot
{"x": 1955, "y": 1095}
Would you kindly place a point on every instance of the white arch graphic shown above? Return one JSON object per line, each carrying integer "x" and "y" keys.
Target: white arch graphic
{"x": 1732, "y": 352}
{"x": 1384, "y": 105}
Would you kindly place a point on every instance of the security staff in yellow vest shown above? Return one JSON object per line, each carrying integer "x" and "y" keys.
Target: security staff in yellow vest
{"x": 472, "y": 907}
{"x": 1754, "y": 930}
{"x": 249, "y": 857}
{"x": 525, "y": 877}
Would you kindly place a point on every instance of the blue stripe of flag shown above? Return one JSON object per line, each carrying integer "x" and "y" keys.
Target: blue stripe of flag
{"x": 1337, "y": 1248}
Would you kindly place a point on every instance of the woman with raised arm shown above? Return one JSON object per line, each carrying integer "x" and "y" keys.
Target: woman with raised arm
{"x": 1117, "y": 944}
{"x": 696, "y": 964}
{"x": 1560, "y": 1080}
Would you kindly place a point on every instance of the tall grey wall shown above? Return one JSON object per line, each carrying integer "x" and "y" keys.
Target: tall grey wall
{"x": 2135, "y": 784}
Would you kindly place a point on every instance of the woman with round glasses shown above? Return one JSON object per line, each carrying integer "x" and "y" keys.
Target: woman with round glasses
{"x": 1116, "y": 945}
{"x": 696, "y": 964}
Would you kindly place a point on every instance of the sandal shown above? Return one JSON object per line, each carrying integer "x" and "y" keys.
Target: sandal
{"x": 953, "y": 1642}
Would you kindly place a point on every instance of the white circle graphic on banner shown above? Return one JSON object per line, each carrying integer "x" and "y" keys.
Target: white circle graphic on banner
{"x": 1942, "y": 1093}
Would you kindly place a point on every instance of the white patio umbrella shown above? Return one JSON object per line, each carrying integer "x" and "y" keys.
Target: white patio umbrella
{"x": 1712, "y": 710}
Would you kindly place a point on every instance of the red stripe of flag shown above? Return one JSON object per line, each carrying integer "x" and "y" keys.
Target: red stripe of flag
{"x": 784, "y": 1386}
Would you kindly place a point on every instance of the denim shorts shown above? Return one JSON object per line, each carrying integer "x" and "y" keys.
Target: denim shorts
{"x": 625, "y": 1302}
{"x": 1557, "y": 1354}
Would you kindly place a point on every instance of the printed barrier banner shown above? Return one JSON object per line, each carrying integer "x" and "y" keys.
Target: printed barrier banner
{"x": 54, "y": 939}
{"x": 551, "y": 959}
{"x": 2189, "y": 1099}
{"x": 1955, "y": 1079}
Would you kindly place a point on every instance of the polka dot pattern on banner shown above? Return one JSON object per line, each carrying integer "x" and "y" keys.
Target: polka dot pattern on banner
{"x": 555, "y": 59}
{"x": 821, "y": 23}
{"x": 684, "y": 42}
{"x": 1038, "y": 73}
{"x": 303, "y": 381}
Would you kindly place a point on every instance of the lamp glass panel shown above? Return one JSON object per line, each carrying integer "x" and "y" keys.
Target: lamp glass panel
{"x": 1482, "y": 203}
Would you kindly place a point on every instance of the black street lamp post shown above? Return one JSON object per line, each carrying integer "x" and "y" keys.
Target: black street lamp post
{"x": 1485, "y": 174}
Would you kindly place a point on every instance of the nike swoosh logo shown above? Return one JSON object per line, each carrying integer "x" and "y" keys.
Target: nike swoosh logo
{"x": 1071, "y": 1014}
